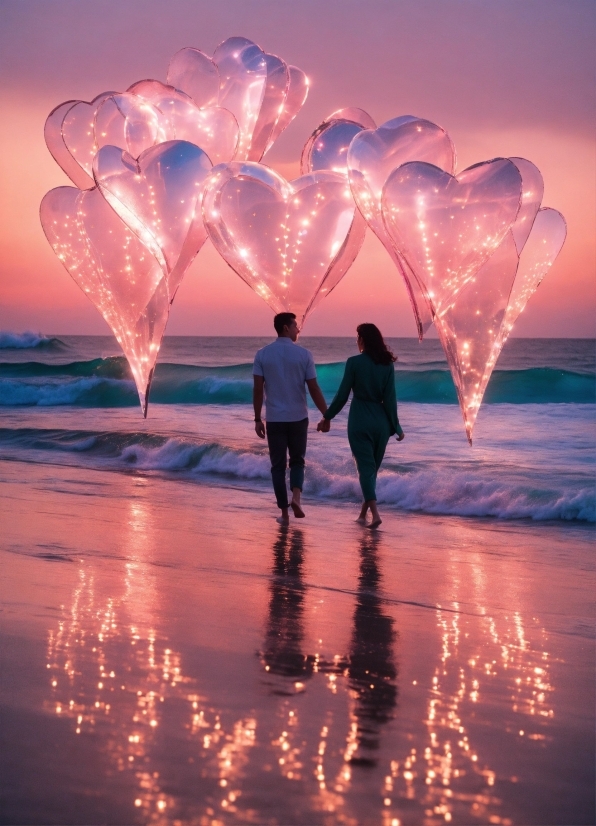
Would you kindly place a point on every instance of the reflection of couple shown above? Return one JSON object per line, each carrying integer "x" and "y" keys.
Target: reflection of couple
{"x": 281, "y": 371}
{"x": 369, "y": 664}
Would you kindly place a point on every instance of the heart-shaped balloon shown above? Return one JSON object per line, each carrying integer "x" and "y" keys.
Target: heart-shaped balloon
{"x": 272, "y": 106}
{"x": 158, "y": 197}
{"x": 129, "y": 122}
{"x": 327, "y": 147}
{"x": 194, "y": 73}
{"x": 243, "y": 80}
{"x": 213, "y": 129}
{"x": 296, "y": 94}
{"x": 291, "y": 242}
{"x": 372, "y": 156}
{"x": 446, "y": 228}
{"x": 70, "y": 136}
{"x": 469, "y": 327}
{"x": 532, "y": 192}
{"x": 544, "y": 243}
{"x": 532, "y": 189}
{"x": 261, "y": 91}
{"x": 475, "y": 324}
{"x": 116, "y": 272}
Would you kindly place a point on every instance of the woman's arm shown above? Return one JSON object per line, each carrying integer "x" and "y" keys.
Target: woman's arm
{"x": 343, "y": 392}
{"x": 390, "y": 403}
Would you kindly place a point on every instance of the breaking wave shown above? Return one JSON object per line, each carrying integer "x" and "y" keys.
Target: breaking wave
{"x": 437, "y": 490}
{"x": 27, "y": 341}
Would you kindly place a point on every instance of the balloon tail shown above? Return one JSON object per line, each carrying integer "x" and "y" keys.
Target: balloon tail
{"x": 144, "y": 396}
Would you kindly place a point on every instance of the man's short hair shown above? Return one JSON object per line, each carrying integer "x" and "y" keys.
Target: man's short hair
{"x": 282, "y": 320}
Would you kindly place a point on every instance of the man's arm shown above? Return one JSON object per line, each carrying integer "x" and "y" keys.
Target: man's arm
{"x": 257, "y": 401}
{"x": 316, "y": 394}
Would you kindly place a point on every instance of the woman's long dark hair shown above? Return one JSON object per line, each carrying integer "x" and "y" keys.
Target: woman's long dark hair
{"x": 374, "y": 344}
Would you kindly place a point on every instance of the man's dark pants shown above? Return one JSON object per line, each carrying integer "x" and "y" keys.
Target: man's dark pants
{"x": 284, "y": 438}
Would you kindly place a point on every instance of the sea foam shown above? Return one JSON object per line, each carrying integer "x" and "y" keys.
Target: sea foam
{"x": 438, "y": 490}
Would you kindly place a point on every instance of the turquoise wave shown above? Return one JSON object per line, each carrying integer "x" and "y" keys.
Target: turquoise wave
{"x": 108, "y": 383}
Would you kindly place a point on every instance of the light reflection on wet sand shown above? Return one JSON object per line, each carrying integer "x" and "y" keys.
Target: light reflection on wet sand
{"x": 324, "y": 700}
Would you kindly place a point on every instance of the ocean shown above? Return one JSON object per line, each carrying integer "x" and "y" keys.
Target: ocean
{"x": 70, "y": 401}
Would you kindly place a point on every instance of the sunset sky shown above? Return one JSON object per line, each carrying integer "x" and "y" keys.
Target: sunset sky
{"x": 504, "y": 77}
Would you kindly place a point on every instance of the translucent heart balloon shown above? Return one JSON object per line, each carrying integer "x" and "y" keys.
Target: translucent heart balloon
{"x": 243, "y": 80}
{"x": 532, "y": 189}
{"x": 372, "y": 156}
{"x": 327, "y": 147}
{"x": 116, "y": 272}
{"x": 291, "y": 242}
{"x": 158, "y": 197}
{"x": 70, "y": 136}
{"x": 194, "y": 73}
{"x": 477, "y": 322}
{"x": 470, "y": 326}
{"x": 296, "y": 94}
{"x": 532, "y": 192}
{"x": 544, "y": 243}
{"x": 213, "y": 129}
{"x": 272, "y": 106}
{"x": 55, "y": 142}
{"x": 447, "y": 228}
{"x": 129, "y": 122}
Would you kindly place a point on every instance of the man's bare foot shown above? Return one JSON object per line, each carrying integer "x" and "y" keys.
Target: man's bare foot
{"x": 375, "y": 524}
{"x": 284, "y": 517}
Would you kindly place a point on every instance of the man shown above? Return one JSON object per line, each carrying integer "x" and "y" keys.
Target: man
{"x": 281, "y": 371}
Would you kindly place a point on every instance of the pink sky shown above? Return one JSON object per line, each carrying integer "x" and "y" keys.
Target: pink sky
{"x": 505, "y": 78}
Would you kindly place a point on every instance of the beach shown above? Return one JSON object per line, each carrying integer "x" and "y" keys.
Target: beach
{"x": 171, "y": 655}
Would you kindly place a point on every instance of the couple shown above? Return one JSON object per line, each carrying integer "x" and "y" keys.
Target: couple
{"x": 281, "y": 371}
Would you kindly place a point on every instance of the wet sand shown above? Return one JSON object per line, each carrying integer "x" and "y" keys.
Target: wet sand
{"x": 172, "y": 656}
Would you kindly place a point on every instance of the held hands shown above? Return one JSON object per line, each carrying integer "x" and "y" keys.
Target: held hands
{"x": 260, "y": 429}
{"x": 324, "y": 426}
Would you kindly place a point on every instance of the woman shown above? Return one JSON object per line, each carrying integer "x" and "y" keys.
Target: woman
{"x": 373, "y": 411}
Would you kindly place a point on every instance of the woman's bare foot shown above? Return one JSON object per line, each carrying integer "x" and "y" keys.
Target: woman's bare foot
{"x": 376, "y": 519}
{"x": 295, "y": 503}
{"x": 361, "y": 520}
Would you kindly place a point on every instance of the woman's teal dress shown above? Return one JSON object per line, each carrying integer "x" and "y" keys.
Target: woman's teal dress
{"x": 373, "y": 415}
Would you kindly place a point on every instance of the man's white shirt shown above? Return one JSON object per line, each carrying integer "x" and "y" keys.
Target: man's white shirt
{"x": 286, "y": 367}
